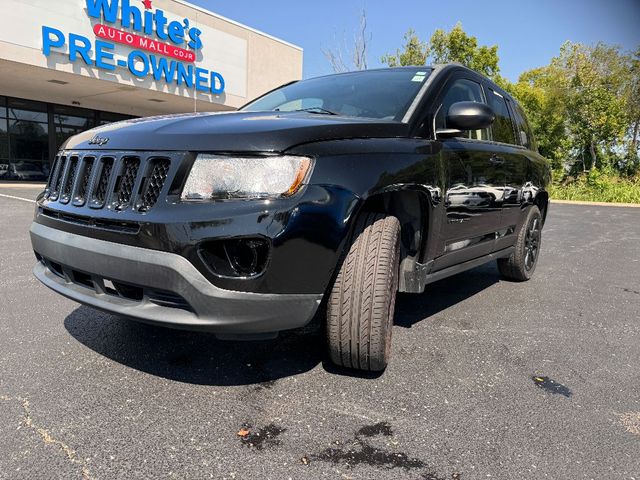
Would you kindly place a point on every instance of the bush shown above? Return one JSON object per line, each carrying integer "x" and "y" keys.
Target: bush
{"x": 598, "y": 186}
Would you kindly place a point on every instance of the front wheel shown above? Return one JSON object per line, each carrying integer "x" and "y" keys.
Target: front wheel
{"x": 521, "y": 264}
{"x": 361, "y": 304}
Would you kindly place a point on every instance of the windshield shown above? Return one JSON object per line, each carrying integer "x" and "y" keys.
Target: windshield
{"x": 381, "y": 94}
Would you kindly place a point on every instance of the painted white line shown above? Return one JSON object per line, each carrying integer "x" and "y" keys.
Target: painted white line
{"x": 596, "y": 204}
{"x": 17, "y": 198}
{"x": 40, "y": 186}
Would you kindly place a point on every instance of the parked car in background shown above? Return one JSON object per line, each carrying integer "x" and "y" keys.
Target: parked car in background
{"x": 322, "y": 198}
{"x": 24, "y": 171}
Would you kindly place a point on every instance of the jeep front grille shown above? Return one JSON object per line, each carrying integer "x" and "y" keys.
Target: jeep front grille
{"x": 154, "y": 182}
{"x": 100, "y": 192}
{"x": 108, "y": 180}
{"x": 125, "y": 182}
{"x": 85, "y": 176}
{"x": 68, "y": 179}
{"x": 55, "y": 177}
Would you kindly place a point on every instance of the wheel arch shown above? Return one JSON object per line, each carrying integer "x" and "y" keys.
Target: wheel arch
{"x": 542, "y": 202}
{"x": 412, "y": 206}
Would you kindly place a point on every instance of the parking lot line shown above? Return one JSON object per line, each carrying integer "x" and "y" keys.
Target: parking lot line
{"x": 25, "y": 185}
{"x": 17, "y": 198}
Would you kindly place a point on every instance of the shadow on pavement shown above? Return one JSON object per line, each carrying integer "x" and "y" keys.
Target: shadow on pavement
{"x": 438, "y": 296}
{"x": 195, "y": 357}
{"x": 200, "y": 358}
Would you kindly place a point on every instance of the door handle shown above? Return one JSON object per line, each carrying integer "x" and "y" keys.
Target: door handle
{"x": 496, "y": 160}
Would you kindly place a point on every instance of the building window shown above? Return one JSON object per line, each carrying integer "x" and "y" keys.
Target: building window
{"x": 28, "y": 132}
{"x": 29, "y": 128}
{"x": 4, "y": 141}
{"x": 4, "y": 148}
{"x": 108, "y": 117}
{"x": 69, "y": 121}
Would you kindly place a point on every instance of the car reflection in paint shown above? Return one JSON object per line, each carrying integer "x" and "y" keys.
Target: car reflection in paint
{"x": 479, "y": 196}
{"x": 24, "y": 171}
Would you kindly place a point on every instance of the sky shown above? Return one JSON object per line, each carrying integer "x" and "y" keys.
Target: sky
{"x": 528, "y": 32}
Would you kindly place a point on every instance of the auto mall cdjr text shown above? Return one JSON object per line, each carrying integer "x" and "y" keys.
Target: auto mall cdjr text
{"x": 177, "y": 40}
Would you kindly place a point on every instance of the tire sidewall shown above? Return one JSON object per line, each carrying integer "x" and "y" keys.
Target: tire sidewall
{"x": 534, "y": 212}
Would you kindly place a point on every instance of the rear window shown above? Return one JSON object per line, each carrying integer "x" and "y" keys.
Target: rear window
{"x": 523, "y": 129}
{"x": 502, "y": 128}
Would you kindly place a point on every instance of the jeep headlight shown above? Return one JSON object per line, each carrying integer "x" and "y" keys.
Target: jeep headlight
{"x": 226, "y": 176}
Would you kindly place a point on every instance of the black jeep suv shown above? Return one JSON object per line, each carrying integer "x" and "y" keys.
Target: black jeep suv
{"x": 345, "y": 188}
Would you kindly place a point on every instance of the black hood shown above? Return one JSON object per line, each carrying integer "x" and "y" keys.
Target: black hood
{"x": 235, "y": 131}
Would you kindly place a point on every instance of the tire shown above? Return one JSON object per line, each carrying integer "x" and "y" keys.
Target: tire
{"x": 361, "y": 304}
{"x": 521, "y": 264}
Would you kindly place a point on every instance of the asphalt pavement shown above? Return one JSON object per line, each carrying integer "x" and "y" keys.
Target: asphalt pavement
{"x": 489, "y": 378}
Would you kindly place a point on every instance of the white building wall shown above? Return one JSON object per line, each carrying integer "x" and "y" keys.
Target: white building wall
{"x": 250, "y": 62}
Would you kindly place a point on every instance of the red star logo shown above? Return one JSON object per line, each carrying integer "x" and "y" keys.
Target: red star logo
{"x": 147, "y": 4}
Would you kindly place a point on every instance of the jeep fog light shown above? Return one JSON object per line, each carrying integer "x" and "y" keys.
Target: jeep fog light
{"x": 219, "y": 176}
{"x": 235, "y": 257}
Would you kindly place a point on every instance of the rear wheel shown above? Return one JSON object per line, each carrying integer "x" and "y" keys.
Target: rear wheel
{"x": 361, "y": 304}
{"x": 521, "y": 264}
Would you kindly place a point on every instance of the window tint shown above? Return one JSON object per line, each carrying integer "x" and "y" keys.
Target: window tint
{"x": 26, "y": 133}
{"x": 385, "y": 94}
{"x": 523, "y": 129}
{"x": 29, "y": 140}
{"x": 4, "y": 141}
{"x": 461, "y": 90}
{"x": 502, "y": 127}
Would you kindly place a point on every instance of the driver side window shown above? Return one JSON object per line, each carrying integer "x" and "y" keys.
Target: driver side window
{"x": 461, "y": 90}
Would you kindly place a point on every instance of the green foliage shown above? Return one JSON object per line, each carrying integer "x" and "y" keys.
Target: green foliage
{"x": 584, "y": 108}
{"x": 631, "y": 92}
{"x": 414, "y": 52}
{"x": 542, "y": 93}
{"x": 457, "y": 46}
{"x": 443, "y": 47}
{"x": 598, "y": 186}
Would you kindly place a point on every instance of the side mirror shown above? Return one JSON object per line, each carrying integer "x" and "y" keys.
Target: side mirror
{"x": 467, "y": 116}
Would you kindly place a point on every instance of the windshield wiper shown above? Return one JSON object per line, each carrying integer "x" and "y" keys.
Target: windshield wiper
{"x": 319, "y": 110}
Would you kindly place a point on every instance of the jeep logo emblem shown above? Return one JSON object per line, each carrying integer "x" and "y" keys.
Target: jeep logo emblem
{"x": 96, "y": 140}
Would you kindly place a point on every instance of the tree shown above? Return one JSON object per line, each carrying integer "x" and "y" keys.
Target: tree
{"x": 542, "y": 92}
{"x": 414, "y": 52}
{"x": 632, "y": 99}
{"x": 457, "y": 46}
{"x": 358, "y": 52}
{"x": 583, "y": 107}
{"x": 443, "y": 47}
{"x": 595, "y": 105}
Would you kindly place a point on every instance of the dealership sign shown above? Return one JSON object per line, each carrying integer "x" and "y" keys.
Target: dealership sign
{"x": 160, "y": 48}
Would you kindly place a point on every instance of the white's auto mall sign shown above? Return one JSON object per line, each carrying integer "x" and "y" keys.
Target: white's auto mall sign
{"x": 132, "y": 39}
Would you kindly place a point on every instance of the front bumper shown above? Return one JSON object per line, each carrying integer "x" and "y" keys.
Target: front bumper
{"x": 169, "y": 290}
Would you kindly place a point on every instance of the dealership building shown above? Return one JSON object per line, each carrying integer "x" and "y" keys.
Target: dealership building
{"x": 69, "y": 65}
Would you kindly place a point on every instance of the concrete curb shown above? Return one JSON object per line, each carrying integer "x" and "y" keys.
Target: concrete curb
{"x": 596, "y": 204}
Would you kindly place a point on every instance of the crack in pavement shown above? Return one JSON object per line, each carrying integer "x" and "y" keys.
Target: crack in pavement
{"x": 47, "y": 438}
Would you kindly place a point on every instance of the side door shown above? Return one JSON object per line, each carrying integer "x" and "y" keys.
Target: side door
{"x": 474, "y": 181}
{"x": 508, "y": 137}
